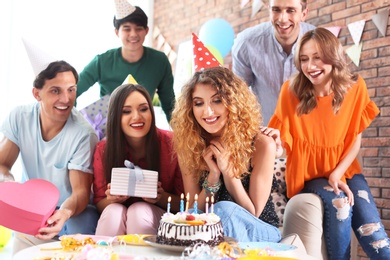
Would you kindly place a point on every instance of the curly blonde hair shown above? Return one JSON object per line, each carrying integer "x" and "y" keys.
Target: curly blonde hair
{"x": 331, "y": 53}
{"x": 244, "y": 119}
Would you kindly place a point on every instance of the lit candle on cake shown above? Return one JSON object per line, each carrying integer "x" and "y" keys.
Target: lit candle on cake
{"x": 207, "y": 205}
{"x": 187, "y": 201}
{"x": 212, "y": 204}
{"x": 181, "y": 203}
{"x": 196, "y": 204}
{"x": 169, "y": 205}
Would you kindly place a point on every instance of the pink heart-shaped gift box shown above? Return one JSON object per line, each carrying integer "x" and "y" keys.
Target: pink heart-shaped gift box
{"x": 25, "y": 207}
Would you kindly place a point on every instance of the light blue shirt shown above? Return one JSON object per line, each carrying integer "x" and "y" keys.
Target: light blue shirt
{"x": 259, "y": 59}
{"x": 71, "y": 149}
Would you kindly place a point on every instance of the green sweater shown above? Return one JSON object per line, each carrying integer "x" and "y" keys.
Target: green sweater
{"x": 153, "y": 71}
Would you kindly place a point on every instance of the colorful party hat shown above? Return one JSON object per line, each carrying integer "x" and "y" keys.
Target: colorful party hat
{"x": 38, "y": 58}
{"x": 123, "y": 8}
{"x": 130, "y": 80}
{"x": 203, "y": 58}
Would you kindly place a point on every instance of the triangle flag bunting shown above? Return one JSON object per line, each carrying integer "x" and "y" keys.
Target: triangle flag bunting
{"x": 354, "y": 53}
{"x": 256, "y": 7}
{"x": 244, "y": 3}
{"x": 380, "y": 21}
{"x": 356, "y": 30}
{"x": 335, "y": 30}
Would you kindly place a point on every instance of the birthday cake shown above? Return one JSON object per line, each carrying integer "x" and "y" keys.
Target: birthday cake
{"x": 184, "y": 229}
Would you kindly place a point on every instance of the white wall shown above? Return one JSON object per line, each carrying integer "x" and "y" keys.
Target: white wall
{"x": 72, "y": 30}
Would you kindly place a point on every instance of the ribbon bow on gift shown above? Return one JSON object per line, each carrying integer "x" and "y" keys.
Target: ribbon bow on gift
{"x": 136, "y": 175}
{"x": 96, "y": 123}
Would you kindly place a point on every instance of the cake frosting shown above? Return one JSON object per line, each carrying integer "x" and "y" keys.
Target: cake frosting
{"x": 184, "y": 229}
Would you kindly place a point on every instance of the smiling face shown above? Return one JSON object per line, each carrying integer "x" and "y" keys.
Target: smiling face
{"x": 286, "y": 16}
{"x": 208, "y": 109}
{"x": 136, "y": 116}
{"x": 132, "y": 36}
{"x": 313, "y": 66}
{"x": 57, "y": 97}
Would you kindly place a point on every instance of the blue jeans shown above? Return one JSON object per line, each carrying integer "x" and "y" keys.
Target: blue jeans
{"x": 84, "y": 223}
{"x": 241, "y": 225}
{"x": 339, "y": 217}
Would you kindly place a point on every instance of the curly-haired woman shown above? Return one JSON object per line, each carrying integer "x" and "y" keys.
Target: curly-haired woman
{"x": 222, "y": 153}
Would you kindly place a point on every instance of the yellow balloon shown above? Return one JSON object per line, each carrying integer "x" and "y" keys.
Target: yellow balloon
{"x": 215, "y": 52}
{"x": 188, "y": 67}
{"x": 5, "y": 236}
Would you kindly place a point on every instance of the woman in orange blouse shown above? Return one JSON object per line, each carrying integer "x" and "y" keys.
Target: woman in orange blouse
{"x": 321, "y": 113}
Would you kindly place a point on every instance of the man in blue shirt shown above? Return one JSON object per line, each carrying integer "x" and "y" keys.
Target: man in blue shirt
{"x": 55, "y": 143}
{"x": 263, "y": 55}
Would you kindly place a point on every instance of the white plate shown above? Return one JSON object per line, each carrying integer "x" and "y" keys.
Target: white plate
{"x": 134, "y": 239}
{"x": 151, "y": 240}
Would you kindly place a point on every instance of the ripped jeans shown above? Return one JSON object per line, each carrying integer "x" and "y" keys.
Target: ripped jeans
{"x": 339, "y": 217}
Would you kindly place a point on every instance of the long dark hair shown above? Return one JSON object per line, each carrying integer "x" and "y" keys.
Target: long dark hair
{"x": 115, "y": 152}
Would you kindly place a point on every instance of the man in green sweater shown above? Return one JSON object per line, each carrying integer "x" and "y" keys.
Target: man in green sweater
{"x": 149, "y": 67}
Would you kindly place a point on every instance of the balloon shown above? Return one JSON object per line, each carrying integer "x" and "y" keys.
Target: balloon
{"x": 218, "y": 33}
{"x": 188, "y": 67}
{"x": 215, "y": 53}
{"x": 5, "y": 236}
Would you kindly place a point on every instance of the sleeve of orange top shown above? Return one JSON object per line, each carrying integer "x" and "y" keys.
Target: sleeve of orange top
{"x": 369, "y": 109}
{"x": 280, "y": 119}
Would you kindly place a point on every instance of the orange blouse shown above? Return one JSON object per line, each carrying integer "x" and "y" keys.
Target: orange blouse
{"x": 316, "y": 142}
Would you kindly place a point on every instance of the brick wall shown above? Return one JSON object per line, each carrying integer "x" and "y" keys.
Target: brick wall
{"x": 177, "y": 19}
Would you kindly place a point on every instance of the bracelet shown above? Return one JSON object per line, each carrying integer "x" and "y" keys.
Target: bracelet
{"x": 8, "y": 177}
{"x": 211, "y": 188}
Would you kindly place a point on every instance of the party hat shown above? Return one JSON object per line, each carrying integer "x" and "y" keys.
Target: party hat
{"x": 130, "y": 80}
{"x": 203, "y": 58}
{"x": 38, "y": 58}
{"x": 123, "y": 8}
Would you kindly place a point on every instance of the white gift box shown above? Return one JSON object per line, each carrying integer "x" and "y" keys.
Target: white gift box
{"x": 134, "y": 182}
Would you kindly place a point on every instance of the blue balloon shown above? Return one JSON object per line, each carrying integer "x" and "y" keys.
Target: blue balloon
{"x": 218, "y": 33}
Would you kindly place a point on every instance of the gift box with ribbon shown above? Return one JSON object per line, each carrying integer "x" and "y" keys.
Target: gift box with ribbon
{"x": 96, "y": 115}
{"x": 134, "y": 181}
{"x": 25, "y": 207}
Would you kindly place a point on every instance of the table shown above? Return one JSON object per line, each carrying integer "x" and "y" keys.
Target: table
{"x": 125, "y": 251}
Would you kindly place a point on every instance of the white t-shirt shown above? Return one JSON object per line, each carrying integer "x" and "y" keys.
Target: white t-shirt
{"x": 71, "y": 149}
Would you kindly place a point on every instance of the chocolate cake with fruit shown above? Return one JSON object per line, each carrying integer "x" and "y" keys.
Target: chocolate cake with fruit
{"x": 184, "y": 229}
